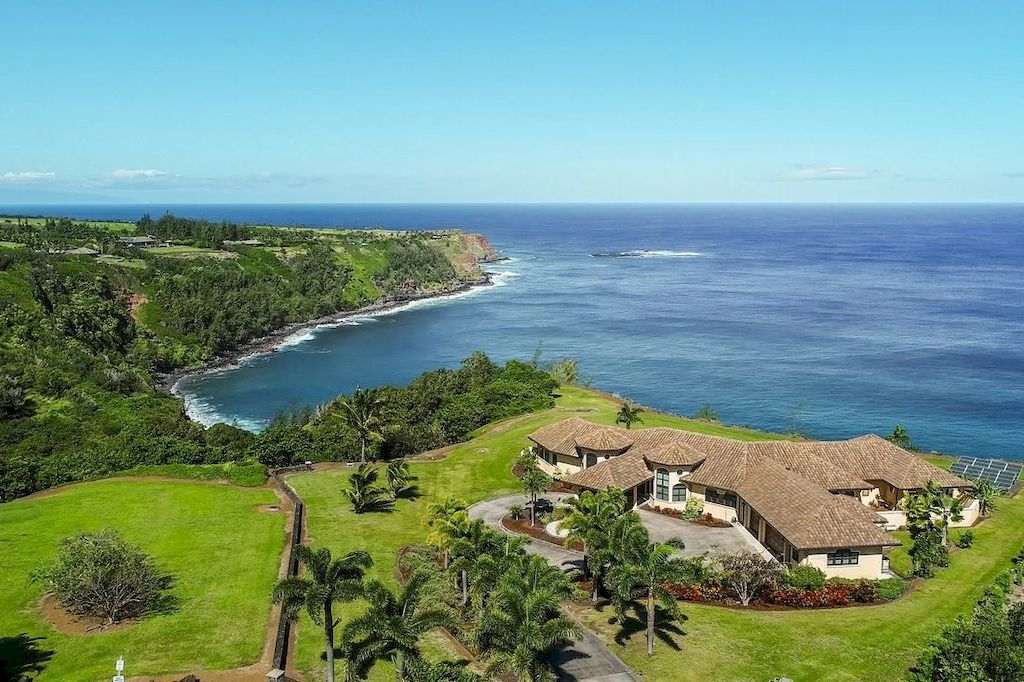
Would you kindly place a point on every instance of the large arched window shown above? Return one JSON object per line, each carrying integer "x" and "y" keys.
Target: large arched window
{"x": 679, "y": 493}
{"x": 661, "y": 484}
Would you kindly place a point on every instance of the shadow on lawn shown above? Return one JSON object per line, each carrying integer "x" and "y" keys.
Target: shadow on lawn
{"x": 21, "y": 655}
{"x": 665, "y": 625}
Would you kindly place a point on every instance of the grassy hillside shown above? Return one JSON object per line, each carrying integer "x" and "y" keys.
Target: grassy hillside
{"x": 81, "y": 338}
{"x": 224, "y": 555}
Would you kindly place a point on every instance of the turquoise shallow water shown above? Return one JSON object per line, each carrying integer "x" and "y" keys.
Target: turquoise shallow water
{"x": 836, "y": 320}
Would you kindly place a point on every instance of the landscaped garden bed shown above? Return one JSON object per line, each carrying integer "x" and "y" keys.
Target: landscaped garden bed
{"x": 701, "y": 519}
{"x": 523, "y": 527}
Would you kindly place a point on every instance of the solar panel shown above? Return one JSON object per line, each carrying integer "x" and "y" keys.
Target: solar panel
{"x": 1001, "y": 474}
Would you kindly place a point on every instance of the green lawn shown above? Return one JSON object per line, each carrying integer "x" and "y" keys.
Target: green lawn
{"x": 223, "y": 553}
{"x": 867, "y": 643}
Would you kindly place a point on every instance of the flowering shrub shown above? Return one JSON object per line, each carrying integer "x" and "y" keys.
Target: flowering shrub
{"x": 710, "y": 591}
{"x": 829, "y": 596}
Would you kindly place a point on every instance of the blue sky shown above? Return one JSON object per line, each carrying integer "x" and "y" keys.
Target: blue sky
{"x": 483, "y": 101}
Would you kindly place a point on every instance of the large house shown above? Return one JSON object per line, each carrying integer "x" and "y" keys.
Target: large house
{"x": 823, "y": 503}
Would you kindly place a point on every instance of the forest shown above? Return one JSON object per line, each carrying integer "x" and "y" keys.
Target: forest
{"x": 83, "y": 338}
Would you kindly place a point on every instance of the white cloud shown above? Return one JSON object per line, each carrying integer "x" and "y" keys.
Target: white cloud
{"x": 27, "y": 176}
{"x": 137, "y": 174}
{"x": 1014, "y": 174}
{"x": 804, "y": 172}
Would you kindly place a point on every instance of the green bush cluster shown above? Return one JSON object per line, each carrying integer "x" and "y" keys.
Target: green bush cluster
{"x": 805, "y": 577}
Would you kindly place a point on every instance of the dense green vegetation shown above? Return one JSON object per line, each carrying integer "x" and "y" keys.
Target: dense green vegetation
{"x": 222, "y": 552}
{"x": 81, "y": 338}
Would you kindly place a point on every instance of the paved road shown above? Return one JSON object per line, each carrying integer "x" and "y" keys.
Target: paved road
{"x": 587, "y": 659}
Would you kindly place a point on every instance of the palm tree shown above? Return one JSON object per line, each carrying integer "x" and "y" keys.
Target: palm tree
{"x": 475, "y": 541}
{"x": 945, "y": 508}
{"x": 447, "y": 520}
{"x": 629, "y": 414}
{"x": 325, "y": 581}
{"x": 533, "y": 482}
{"x": 986, "y": 494}
{"x": 362, "y": 493}
{"x": 590, "y": 521}
{"x": 641, "y": 572}
{"x": 525, "y": 622}
{"x": 398, "y": 477}
{"x": 361, "y": 413}
{"x": 900, "y": 437}
{"x": 391, "y": 627}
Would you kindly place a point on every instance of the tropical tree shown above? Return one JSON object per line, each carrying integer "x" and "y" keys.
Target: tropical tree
{"x": 932, "y": 507}
{"x": 362, "y": 493}
{"x": 640, "y": 574}
{"x": 447, "y": 521}
{"x": 987, "y": 495}
{"x": 590, "y": 521}
{"x": 476, "y": 541}
{"x": 629, "y": 414}
{"x": 533, "y": 481}
{"x": 398, "y": 477}
{"x": 361, "y": 413}
{"x": 900, "y": 437}
{"x": 524, "y": 622}
{"x": 748, "y": 573}
{"x": 391, "y": 627}
{"x": 706, "y": 413}
{"x": 325, "y": 581}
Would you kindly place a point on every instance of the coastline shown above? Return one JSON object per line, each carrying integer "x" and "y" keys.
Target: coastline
{"x": 275, "y": 340}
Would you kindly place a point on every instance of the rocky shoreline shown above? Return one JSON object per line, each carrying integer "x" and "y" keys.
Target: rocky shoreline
{"x": 272, "y": 342}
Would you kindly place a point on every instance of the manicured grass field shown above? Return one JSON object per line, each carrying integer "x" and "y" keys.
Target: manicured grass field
{"x": 223, "y": 553}
{"x": 866, "y": 643}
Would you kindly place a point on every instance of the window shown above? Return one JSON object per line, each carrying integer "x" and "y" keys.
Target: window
{"x": 679, "y": 493}
{"x": 843, "y": 557}
{"x": 661, "y": 484}
{"x": 717, "y": 497}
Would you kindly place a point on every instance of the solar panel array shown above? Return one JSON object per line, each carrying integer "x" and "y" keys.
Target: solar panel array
{"x": 997, "y": 472}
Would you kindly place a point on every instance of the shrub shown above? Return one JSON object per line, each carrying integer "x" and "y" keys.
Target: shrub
{"x": 102, "y": 576}
{"x": 805, "y": 577}
{"x": 694, "y": 509}
{"x": 888, "y": 589}
{"x": 965, "y": 540}
{"x": 748, "y": 574}
{"x": 928, "y": 552}
{"x": 515, "y": 511}
{"x": 864, "y": 592}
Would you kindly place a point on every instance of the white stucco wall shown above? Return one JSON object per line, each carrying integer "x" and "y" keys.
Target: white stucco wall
{"x": 868, "y": 566}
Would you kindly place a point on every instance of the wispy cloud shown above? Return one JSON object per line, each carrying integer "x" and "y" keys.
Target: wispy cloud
{"x": 806, "y": 172}
{"x": 1014, "y": 174}
{"x": 137, "y": 174}
{"x": 27, "y": 176}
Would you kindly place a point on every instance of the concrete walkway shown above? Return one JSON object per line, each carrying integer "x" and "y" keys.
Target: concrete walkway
{"x": 587, "y": 659}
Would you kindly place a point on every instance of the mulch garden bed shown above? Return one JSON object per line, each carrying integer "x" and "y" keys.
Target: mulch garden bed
{"x": 523, "y": 527}
{"x": 705, "y": 520}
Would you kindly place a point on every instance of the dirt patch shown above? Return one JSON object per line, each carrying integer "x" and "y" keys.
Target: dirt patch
{"x": 69, "y": 624}
{"x": 269, "y": 508}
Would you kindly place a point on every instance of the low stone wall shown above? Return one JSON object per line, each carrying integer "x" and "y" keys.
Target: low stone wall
{"x": 284, "y": 626}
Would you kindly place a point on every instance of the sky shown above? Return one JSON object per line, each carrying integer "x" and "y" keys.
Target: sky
{"x": 485, "y": 101}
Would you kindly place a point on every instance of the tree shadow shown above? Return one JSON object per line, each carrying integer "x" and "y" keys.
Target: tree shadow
{"x": 383, "y": 505}
{"x": 166, "y": 602}
{"x": 665, "y": 625}
{"x": 410, "y": 492}
{"x": 21, "y": 655}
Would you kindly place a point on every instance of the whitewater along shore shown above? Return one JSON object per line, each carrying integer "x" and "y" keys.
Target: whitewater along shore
{"x": 273, "y": 341}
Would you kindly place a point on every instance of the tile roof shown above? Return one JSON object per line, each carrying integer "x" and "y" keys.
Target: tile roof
{"x": 674, "y": 454}
{"x": 604, "y": 439}
{"x": 623, "y": 473}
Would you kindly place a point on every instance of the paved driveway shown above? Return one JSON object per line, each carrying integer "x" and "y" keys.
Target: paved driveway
{"x": 697, "y": 538}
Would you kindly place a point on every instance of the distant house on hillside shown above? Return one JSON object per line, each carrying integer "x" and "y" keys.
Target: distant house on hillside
{"x": 142, "y": 241}
{"x": 82, "y": 251}
{"x": 823, "y": 503}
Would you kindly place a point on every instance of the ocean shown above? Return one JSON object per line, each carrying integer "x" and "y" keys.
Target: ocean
{"x": 832, "y": 320}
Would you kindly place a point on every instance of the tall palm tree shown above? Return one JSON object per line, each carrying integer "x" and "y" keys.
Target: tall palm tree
{"x": 900, "y": 437}
{"x": 362, "y": 493}
{"x": 324, "y": 582}
{"x": 640, "y": 574}
{"x": 589, "y": 521}
{"x": 391, "y": 627}
{"x": 361, "y": 413}
{"x": 987, "y": 496}
{"x": 944, "y": 508}
{"x": 475, "y": 541}
{"x": 629, "y": 414}
{"x": 447, "y": 520}
{"x": 534, "y": 482}
{"x": 525, "y": 622}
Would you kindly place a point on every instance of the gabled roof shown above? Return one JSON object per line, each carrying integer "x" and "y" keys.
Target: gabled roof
{"x": 874, "y": 458}
{"x": 808, "y": 516}
{"x": 623, "y": 473}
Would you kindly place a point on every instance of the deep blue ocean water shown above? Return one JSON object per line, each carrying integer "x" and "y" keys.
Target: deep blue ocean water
{"x": 834, "y": 320}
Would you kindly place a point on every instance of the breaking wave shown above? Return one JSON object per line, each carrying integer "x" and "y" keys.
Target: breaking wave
{"x": 647, "y": 253}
